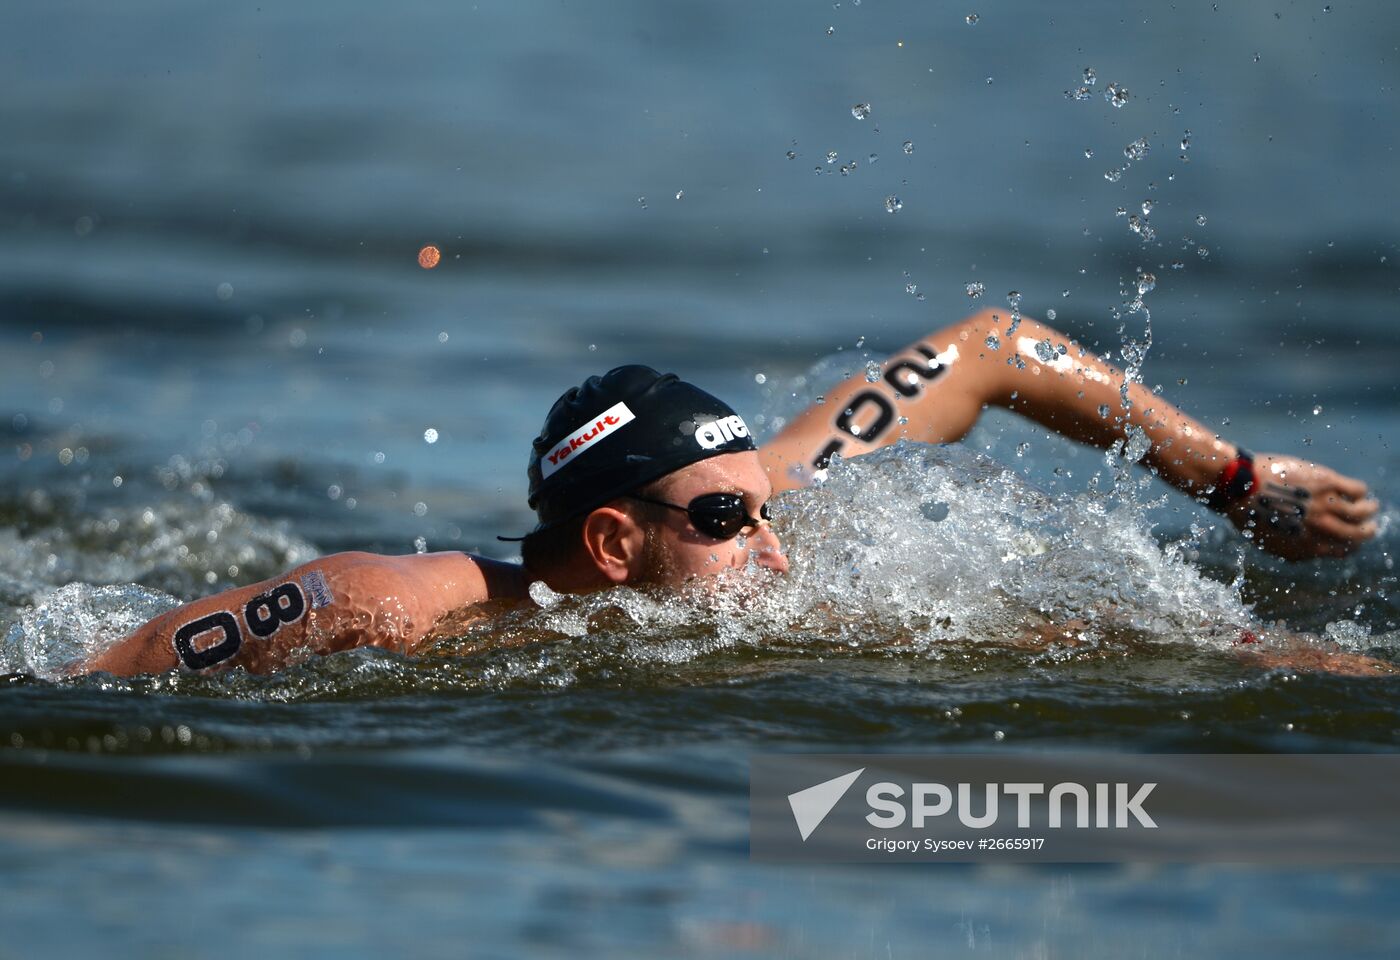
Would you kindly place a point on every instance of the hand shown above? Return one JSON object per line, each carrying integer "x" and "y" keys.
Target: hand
{"x": 1299, "y": 510}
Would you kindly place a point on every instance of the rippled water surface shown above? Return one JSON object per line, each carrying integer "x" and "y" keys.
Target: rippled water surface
{"x": 221, "y": 359}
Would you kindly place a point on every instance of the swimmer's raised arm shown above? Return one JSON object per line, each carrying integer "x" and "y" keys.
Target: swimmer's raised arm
{"x": 337, "y": 602}
{"x": 935, "y": 389}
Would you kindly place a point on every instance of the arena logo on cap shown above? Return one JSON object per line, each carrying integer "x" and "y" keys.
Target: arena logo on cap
{"x": 712, "y": 434}
{"x": 577, "y": 442}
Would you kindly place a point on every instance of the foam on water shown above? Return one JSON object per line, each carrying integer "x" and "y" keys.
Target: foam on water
{"x": 911, "y": 551}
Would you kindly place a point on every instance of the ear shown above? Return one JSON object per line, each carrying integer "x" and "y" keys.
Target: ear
{"x": 614, "y": 541}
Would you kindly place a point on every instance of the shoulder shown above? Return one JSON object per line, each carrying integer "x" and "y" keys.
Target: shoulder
{"x": 451, "y": 578}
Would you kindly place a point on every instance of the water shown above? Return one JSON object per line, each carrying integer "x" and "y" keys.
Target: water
{"x": 211, "y": 298}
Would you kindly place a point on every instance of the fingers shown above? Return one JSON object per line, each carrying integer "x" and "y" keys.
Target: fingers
{"x": 1353, "y": 511}
{"x": 1337, "y": 528}
{"x": 1348, "y": 487}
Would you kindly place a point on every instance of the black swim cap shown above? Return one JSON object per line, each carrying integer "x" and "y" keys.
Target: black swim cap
{"x": 616, "y": 432}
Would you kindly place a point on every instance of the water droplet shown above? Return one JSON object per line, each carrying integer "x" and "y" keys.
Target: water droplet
{"x": 1103, "y": 410}
{"x": 908, "y": 147}
{"x": 911, "y": 288}
{"x": 420, "y": 508}
{"x": 972, "y": 18}
{"x": 1014, "y": 298}
{"x": 975, "y": 289}
{"x": 830, "y": 31}
{"x": 442, "y": 337}
{"x": 1178, "y": 265}
{"x": 872, "y": 371}
{"x": 1317, "y": 410}
{"x": 792, "y": 154}
{"x": 1113, "y": 176}
{"x": 1202, "y": 252}
{"x": 860, "y": 111}
{"x": 1136, "y": 150}
{"x": 993, "y": 341}
{"x": 1141, "y": 227}
{"x": 1116, "y": 95}
{"x": 679, "y": 194}
{"x": 1121, "y": 212}
{"x": 1146, "y": 284}
{"x": 989, "y": 81}
{"x": 1051, "y": 314}
{"x": 1186, "y": 141}
{"x": 1090, "y": 77}
{"x": 893, "y": 204}
{"x": 1064, "y": 293}
{"x": 420, "y": 544}
{"x": 860, "y": 342}
{"x": 224, "y": 291}
{"x": 874, "y": 158}
{"x": 1256, "y": 58}
{"x": 642, "y": 201}
{"x": 1044, "y": 351}
{"x": 1147, "y": 206}
{"x": 1079, "y": 93}
{"x": 831, "y": 156}
{"x": 1201, "y": 220}
{"x": 1022, "y": 449}
{"x": 592, "y": 348}
{"x": 1088, "y": 154}
{"x": 430, "y": 435}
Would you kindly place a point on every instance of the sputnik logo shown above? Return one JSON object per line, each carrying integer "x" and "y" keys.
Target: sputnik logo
{"x": 810, "y": 806}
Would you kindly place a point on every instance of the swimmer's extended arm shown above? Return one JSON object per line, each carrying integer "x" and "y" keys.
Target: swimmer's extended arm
{"x": 935, "y": 389}
{"x": 337, "y": 602}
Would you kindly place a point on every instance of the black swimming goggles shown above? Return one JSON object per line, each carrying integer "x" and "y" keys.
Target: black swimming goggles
{"x": 718, "y": 515}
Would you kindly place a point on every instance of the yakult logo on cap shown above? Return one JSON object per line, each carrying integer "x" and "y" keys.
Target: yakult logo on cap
{"x": 712, "y": 434}
{"x": 576, "y": 443}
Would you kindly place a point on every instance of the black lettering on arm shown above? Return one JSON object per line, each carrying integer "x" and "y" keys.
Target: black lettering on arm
{"x": 908, "y": 376}
{"x": 199, "y": 656}
{"x": 266, "y": 613}
{"x": 1284, "y": 507}
{"x": 217, "y": 637}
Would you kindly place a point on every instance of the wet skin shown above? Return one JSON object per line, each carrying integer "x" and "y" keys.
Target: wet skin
{"x": 933, "y": 391}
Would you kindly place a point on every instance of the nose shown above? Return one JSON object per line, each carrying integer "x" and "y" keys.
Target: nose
{"x": 767, "y": 550}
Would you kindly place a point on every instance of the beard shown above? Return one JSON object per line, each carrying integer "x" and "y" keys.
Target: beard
{"x": 658, "y": 566}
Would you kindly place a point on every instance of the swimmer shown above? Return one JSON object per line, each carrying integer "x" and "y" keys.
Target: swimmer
{"x": 642, "y": 478}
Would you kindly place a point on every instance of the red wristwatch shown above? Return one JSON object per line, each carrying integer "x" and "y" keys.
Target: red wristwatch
{"x": 1236, "y": 481}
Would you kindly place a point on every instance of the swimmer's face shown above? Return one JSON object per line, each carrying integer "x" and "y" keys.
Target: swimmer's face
{"x": 679, "y": 552}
